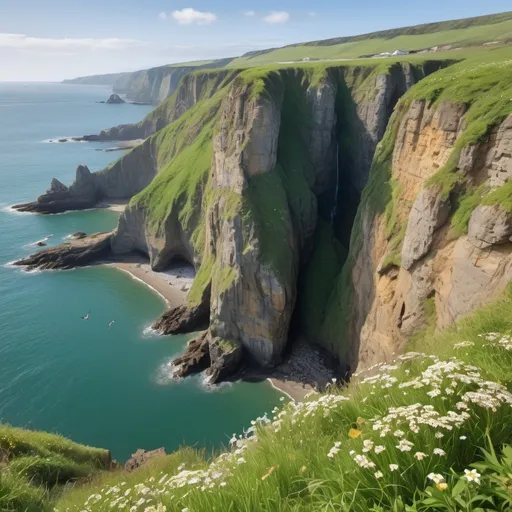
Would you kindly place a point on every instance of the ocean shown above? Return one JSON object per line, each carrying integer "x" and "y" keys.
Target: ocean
{"x": 105, "y": 387}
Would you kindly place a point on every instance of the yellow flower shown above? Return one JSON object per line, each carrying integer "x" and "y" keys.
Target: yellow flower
{"x": 442, "y": 486}
{"x": 268, "y": 473}
{"x": 353, "y": 433}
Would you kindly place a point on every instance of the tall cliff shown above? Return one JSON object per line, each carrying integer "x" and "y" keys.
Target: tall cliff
{"x": 303, "y": 206}
{"x": 157, "y": 84}
{"x": 264, "y": 157}
{"x": 432, "y": 237}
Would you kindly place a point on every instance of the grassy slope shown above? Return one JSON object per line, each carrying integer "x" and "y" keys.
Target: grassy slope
{"x": 287, "y": 467}
{"x": 32, "y": 464}
{"x": 482, "y": 82}
{"x": 473, "y": 35}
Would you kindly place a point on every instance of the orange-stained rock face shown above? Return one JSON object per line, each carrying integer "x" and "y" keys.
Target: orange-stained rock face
{"x": 460, "y": 274}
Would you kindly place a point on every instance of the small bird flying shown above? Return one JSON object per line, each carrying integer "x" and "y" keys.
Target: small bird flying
{"x": 111, "y": 324}
{"x": 86, "y": 317}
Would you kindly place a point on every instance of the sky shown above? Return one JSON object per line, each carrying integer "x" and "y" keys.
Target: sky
{"x": 52, "y": 40}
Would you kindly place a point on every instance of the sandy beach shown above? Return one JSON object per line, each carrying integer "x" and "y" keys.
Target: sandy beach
{"x": 115, "y": 206}
{"x": 294, "y": 390}
{"x": 172, "y": 285}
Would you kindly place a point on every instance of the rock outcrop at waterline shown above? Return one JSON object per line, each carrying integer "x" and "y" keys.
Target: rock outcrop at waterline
{"x": 184, "y": 319}
{"x": 82, "y": 194}
{"x": 115, "y": 99}
{"x": 77, "y": 253}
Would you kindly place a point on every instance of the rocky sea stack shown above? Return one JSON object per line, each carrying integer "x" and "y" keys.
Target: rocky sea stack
{"x": 115, "y": 99}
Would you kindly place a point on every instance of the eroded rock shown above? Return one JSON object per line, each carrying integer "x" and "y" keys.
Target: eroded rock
{"x": 77, "y": 253}
{"x": 429, "y": 212}
{"x": 83, "y": 193}
{"x": 225, "y": 359}
{"x": 184, "y": 319}
{"x": 115, "y": 99}
{"x": 489, "y": 225}
{"x": 142, "y": 457}
{"x": 195, "y": 359}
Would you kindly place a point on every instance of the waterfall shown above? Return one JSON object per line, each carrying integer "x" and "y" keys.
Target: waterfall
{"x": 335, "y": 205}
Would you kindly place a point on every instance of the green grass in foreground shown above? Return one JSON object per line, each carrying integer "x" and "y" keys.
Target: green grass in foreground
{"x": 399, "y": 438}
{"x": 33, "y": 463}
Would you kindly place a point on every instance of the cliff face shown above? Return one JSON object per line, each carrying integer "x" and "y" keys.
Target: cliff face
{"x": 274, "y": 184}
{"x": 193, "y": 88}
{"x": 108, "y": 79}
{"x": 271, "y": 151}
{"x": 151, "y": 85}
{"x": 436, "y": 244}
{"x": 157, "y": 84}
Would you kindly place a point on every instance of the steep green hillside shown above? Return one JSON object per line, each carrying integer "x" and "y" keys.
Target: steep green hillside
{"x": 34, "y": 464}
{"x": 403, "y": 434}
{"x": 471, "y": 31}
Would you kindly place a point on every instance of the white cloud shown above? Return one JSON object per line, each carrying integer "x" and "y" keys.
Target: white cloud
{"x": 277, "y": 17}
{"x": 24, "y": 42}
{"x": 162, "y": 15}
{"x": 249, "y": 13}
{"x": 312, "y": 14}
{"x": 188, "y": 15}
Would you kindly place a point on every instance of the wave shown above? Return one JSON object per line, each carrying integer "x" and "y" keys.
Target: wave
{"x": 149, "y": 332}
{"x": 11, "y": 210}
{"x": 63, "y": 140}
{"x": 45, "y": 239}
{"x": 208, "y": 387}
{"x": 20, "y": 269}
{"x": 166, "y": 374}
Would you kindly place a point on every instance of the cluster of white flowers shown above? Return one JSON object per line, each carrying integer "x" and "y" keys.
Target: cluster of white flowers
{"x": 452, "y": 394}
{"x": 463, "y": 344}
{"x": 140, "y": 497}
{"x": 444, "y": 383}
{"x": 322, "y": 406}
{"x": 497, "y": 340}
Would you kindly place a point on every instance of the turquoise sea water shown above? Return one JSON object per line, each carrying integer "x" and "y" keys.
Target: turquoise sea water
{"x": 99, "y": 386}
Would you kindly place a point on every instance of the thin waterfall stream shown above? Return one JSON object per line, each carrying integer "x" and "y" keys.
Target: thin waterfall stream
{"x": 335, "y": 206}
